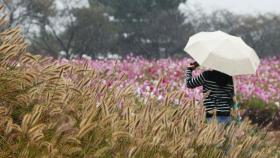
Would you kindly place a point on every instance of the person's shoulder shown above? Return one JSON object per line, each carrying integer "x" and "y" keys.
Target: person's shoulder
{"x": 207, "y": 74}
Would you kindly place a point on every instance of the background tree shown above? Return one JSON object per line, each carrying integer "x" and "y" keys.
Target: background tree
{"x": 72, "y": 30}
{"x": 259, "y": 31}
{"x": 49, "y": 39}
{"x": 29, "y": 12}
{"x": 94, "y": 32}
{"x": 34, "y": 17}
{"x": 151, "y": 28}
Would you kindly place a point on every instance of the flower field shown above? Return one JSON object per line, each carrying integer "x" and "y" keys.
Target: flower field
{"x": 156, "y": 78}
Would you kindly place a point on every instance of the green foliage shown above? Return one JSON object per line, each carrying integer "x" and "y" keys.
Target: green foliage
{"x": 92, "y": 33}
{"x": 261, "y": 113}
{"x": 256, "y": 103}
{"x": 150, "y": 28}
{"x": 137, "y": 9}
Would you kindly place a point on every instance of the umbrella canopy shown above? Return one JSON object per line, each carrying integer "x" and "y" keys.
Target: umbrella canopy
{"x": 223, "y": 52}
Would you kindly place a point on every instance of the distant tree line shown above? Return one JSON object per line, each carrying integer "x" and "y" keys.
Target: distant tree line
{"x": 150, "y": 28}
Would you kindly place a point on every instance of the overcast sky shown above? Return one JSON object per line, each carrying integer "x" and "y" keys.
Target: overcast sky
{"x": 238, "y": 6}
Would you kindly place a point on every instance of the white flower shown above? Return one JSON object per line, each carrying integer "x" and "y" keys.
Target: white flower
{"x": 148, "y": 88}
{"x": 62, "y": 53}
{"x": 277, "y": 104}
{"x": 160, "y": 97}
{"x": 98, "y": 104}
{"x": 138, "y": 91}
{"x": 176, "y": 101}
{"x": 86, "y": 57}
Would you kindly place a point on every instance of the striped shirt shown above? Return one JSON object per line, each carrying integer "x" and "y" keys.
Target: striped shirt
{"x": 219, "y": 98}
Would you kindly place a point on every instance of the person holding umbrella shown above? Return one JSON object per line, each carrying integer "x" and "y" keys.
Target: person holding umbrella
{"x": 227, "y": 56}
{"x": 220, "y": 88}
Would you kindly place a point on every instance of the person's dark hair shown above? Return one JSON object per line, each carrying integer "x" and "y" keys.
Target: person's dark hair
{"x": 220, "y": 78}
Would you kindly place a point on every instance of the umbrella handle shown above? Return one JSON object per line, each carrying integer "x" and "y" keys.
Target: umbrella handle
{"x": 238, "y": 105}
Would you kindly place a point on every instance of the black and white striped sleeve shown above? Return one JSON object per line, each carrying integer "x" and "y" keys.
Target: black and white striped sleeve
{"x": 231, "y": 89}
{"x": 193, "y": 82}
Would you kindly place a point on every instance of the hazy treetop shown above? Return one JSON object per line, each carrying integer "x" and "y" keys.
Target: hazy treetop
{"x": 237, "y": 6}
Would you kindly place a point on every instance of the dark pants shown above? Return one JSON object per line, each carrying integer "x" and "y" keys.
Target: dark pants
{"x": 221, "y": 119}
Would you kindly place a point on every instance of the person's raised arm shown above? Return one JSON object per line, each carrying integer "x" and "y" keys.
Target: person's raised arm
{"x": 193, "y": 82}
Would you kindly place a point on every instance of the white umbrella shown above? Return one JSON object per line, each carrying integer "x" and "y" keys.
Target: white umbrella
{"x": 223, "y": 52}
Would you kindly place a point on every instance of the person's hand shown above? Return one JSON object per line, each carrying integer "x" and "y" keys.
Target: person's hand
{"x": 193, "y": 65}
{"x": 235, "y": 99}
